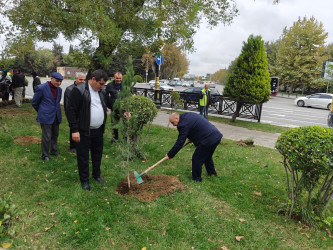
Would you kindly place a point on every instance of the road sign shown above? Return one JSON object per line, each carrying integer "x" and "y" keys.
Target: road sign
{"x": 159, "y": 59}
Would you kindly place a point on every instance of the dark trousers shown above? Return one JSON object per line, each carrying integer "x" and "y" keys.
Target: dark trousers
{"x": 204, "y": 111}
{"x": 203, "y": 155}
{"x": 94, "y": 143}
{"x": 50, "y": 134}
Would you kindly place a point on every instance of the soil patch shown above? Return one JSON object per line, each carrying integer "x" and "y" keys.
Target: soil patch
{"x": 244, "y": 143}
{"x": 27, "y": 140}
{"x": 152, "y": 187}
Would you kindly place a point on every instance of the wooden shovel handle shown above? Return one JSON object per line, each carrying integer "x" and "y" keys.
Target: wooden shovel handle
{"x": 157, "y": 163}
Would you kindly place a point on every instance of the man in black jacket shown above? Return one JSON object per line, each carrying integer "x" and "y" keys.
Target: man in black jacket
{"x": 86, "y": 114}
{"x": 204, "y": 135}
{"x": 17, "y": 87}
{"x": 112, "y": 90}
{"x": 79, "y": 78}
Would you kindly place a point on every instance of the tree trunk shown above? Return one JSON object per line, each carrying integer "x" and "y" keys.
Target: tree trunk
{"x": 236, "y": 114}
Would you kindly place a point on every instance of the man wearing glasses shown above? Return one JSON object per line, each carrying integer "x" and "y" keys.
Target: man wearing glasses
{"x": 86, "y": 114}
{"x": 79, "y": 78}
{"x": 46, "y": 101}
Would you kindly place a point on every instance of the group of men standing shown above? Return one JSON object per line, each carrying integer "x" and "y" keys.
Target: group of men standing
{"x": 86, "y": 104}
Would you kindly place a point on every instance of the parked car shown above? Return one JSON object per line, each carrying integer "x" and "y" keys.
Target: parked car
{"x": 172, "y": 83}
{"x": 192, "y": 95}
{"x": 318, "y": 100}
{"x": 186, "y": 84}
{"x": 163, "y": 86}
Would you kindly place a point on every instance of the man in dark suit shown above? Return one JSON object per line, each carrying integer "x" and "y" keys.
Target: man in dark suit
{"x": 204, "y": 135}
{"x": 46, "y": 101}
{"x": 86, "y": 114}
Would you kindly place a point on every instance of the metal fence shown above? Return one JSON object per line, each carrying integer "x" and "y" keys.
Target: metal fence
{"x": 222, "y": 106}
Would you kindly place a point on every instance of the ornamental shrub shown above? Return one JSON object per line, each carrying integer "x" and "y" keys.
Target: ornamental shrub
{"x": 308, "y": 161}
{"x": 138, "y": 78}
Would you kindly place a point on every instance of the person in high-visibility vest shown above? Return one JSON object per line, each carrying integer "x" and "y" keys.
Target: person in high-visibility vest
{"x": 204, "y": 101}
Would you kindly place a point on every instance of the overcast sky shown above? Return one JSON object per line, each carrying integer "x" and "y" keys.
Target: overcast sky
{"x": 216, "y": 48}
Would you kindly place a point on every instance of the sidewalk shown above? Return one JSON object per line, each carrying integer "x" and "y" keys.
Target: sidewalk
{"x": 230, "y": 132}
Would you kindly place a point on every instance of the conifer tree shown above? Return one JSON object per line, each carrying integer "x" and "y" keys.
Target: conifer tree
{"x": 249, "y": 81}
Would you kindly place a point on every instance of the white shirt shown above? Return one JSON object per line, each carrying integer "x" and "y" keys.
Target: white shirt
{"x": 96, "y": 109}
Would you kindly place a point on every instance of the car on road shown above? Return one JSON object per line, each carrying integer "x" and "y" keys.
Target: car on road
{"x": 192, "y": 95}
{"x": 163, "y": 86}
{"x": 318, "y": 100}
{"x": 186, "y": 84}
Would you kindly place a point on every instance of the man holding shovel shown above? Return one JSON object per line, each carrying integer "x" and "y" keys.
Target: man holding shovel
{"x": 204, "y": 135}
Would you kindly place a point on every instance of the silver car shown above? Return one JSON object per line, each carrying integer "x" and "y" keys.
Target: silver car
{"x": 318, "y": 100}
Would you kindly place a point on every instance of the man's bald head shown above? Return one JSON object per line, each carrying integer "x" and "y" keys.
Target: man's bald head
{"x": 174, "y": 118}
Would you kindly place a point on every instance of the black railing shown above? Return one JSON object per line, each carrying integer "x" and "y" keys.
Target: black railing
{"x": 222, "y": 105}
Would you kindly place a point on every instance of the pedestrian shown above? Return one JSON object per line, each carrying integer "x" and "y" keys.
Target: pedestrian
{"x": 26, "y": 82}
{"x": 113, "y": 90}
{"x": 79, "y": 78}
{"x": 86, "y": 113}
{"x": 17, "y": 87}
{"x": 46, "y": 101}
{"x": 5, "y": 82}
{"x": 36, "y": 81}
{"x": 204, "y": 135}
{"x": 205, "y": 100}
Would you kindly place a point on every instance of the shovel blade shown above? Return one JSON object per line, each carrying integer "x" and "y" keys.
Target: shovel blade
{"x": 138, "y": 177}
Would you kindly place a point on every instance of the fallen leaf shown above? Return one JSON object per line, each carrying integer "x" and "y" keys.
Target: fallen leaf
{"x": 163, "y": 233}
{"x": 6, "y": 245}
{"x": 242, "y": 220}
{"x": 239, "y": 238}
{"x": 224, "y": 248}
{"x": 144, "y": 248}
{"x": 46, "y": 180}
{"x": 75, "y": 221}
{"x": 328, "y": 232}
{"x": 36, "y": 234}
{"x": 143, "y": 161}
{"x": 257, "y": 193}
{"x": 62, "y": 204}
{"x": 110, "y": 240}
{"x": 51, "y": 214}
{"x": 106, "y": 156}
{"x": 31, "y": 214}
{"x": 107, "y": 228}
{"x": 27, "y": 150}
{"x": 40, "y": 203}
{"x": 25, "y": 158}
{"x": 323, "y": 238}
{"x": 47, "y": 229}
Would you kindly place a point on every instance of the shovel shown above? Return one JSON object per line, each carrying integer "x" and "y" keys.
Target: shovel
{"x": 138, "y": 176}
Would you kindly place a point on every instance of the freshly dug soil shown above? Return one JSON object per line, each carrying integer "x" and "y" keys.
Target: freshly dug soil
{"x": 152, "y": 187}
{"x": 27, "y": 140}
{"x": 244, "y": 143}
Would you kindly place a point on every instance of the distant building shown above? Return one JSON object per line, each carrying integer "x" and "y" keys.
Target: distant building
{"x": 70, "y": 72}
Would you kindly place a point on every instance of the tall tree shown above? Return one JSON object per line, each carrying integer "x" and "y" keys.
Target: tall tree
{"x": 271, "y": 52}
{"x": 57, "y": 50}
{"x": 249, "y": 81}
{"x": 175, "y": 62}
{"x": 220, "y": 76}
{"x": 102, "y": 25}
{"x": 299, "y": 53}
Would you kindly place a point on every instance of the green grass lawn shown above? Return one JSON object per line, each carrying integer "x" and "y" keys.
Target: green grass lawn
{"x": 242, "y": 200}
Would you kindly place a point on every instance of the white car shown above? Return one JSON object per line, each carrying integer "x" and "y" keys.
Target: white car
{"x": 163, "y": 86}
{"x": 318, "y": 100}
{"x": 186, "y": 84}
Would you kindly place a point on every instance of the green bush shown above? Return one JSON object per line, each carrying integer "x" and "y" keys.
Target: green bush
{"x": 8, "y": 214}
{"x": 308, "y": 160}
{"x": 138, "y": 78}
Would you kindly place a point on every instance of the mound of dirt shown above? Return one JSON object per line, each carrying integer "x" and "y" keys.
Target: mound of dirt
{"x": 27, "y": 140}
{"x": 152, "y": 187}
{"x": 245, "y": 143}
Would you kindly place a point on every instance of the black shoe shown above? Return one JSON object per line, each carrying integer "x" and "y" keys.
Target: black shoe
{"x": 55, "y": 154}
{"x": 85, "y": 185}
{"x": 100, "y": 180}
{"x": 197, "y": 179}
{"x": 72, "y": 150}
{"x": 45, "y": 158}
